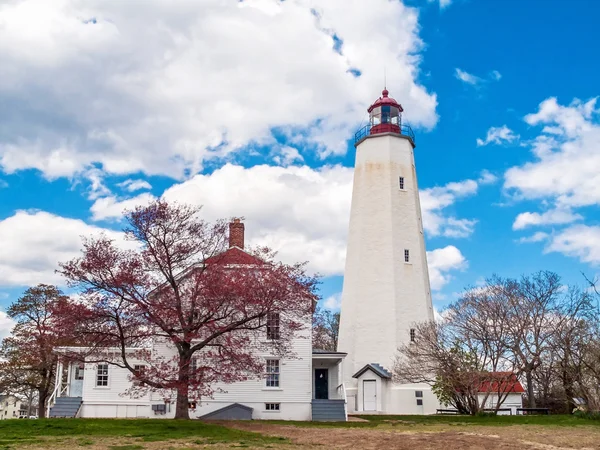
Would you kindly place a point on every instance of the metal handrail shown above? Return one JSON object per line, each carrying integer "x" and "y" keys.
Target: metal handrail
{"x": 365, "y": 131}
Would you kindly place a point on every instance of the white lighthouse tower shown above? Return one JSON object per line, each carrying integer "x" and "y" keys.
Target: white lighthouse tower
{"x": 386, "y": 281}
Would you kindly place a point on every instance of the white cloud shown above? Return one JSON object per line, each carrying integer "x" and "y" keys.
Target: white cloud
{"x": 441, "y": 262}
{"x": 6, "y": 325}
{"x": 134, "y": 185}
{"x": 333, "y": 302}
{"x": 163, "y": 88}
{"x": 551, "y": 217}
{"x": 112, "y": 208}
{"x": 34, "y": 242}
{"x": 466, "y": 77}
{"x": 487, "y": 177}
{"x": 538, "y": 236}
{"x": 299, "y": 211}
{"x": 288, "y": 155}
{"x": 564, "y": 173}
{"x": 436, "y": 221}
{"x": 579, "y": 241}
{"x": 498, "y": 135}
{"x": 566, "y": 165}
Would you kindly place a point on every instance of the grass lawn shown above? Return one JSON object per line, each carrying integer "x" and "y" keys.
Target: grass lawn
{"x": 374, "y": 432}
{"x": 93, "y": 432}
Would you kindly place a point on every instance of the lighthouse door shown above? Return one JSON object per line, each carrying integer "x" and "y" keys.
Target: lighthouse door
{"x": 370, "y": 395}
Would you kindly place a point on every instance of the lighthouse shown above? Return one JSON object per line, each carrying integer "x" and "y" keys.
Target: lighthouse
{"x": 386, "y": 282}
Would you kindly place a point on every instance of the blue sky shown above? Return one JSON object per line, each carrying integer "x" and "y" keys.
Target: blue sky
{"x": 249, "y": 108}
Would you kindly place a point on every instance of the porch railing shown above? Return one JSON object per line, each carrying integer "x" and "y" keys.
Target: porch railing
{"x": 341, "y": 392}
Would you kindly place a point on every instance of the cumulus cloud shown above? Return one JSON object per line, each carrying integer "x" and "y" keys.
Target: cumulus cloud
{"x": 487, "y": 177}
{"x": 551, "y": 217}
{"x": 566, "y": 164}
{"x": 164, "y": 88}
{"x": 112, "y": 208}
{"x": 32, "y": 243}
{"x": 499, "y": 136}
{"x": 134, "y": 185}
{"x": 579, "y": 241}
{"x": 441, "y": 262}
{"x": 564, "y": 173}
{"x": 436, "y": 221}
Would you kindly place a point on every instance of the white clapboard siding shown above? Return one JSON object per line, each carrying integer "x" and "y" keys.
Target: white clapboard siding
{"x": 294, "y": 393}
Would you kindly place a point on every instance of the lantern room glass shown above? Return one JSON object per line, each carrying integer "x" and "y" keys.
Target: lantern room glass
{"x": 385, "y": 114}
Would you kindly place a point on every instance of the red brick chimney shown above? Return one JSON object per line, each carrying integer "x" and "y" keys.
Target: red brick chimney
{"x": 236, "y": 234}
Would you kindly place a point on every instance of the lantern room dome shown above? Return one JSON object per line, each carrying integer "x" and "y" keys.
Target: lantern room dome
{"x": 385, "y": 100}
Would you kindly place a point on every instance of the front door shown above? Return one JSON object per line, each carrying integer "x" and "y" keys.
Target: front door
{"x": 370, "y": 395}
{"x": 321, "y": 384}
{"x": 76, "y": 387}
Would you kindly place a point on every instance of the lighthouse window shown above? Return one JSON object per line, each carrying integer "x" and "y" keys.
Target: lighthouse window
{"x": 406, "y": 255}
{"x": 413, "y": 334}
{"x": 385, "y": 114}
{"x": 401, "y": 182}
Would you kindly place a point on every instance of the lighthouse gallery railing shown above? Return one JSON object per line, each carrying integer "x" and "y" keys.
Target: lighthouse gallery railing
{"x": 365, "y": 131}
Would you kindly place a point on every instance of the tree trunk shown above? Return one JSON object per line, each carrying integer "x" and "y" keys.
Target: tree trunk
{"x": 530, "y": 393}
{"x": 181, "y": 407}
{"x": 42, "y": 400}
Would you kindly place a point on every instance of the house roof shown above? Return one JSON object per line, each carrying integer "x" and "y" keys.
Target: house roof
{"x": 378, "y": 369}
{"x": 504, "y": 382}
{"x": 318, "y": 351}
{"x": 235, "y": 255}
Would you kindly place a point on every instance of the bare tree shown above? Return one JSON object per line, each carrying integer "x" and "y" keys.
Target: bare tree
{"x": 326, "y": 325}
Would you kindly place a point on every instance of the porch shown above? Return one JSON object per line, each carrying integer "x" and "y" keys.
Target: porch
{"x": 329, "y": 394}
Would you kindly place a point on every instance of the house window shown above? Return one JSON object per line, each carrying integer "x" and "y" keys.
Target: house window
{"x": 139, "y": 369}
{"x": 192, "y": 405}
{"x": 273, "y": 326}
{"x": 272, "y": 406}
{"x": 401, "y": 182}
{"x": 413, "y": 335}
{"x": 419, "y": 394}
{"x": 272, "y": 373}
{"x": 102, "y": 375}
{"x": 79, "y": 368}
{"x": 406, "y": 255}
{"x": 419, "y": 402}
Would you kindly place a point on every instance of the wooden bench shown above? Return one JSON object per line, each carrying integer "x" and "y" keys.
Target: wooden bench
{"x": 527, "y": 411}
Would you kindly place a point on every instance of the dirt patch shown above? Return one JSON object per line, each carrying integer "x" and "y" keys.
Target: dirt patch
{"x": 406, "y": 436}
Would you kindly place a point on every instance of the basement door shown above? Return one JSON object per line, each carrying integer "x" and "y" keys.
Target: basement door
{"x": 369, "y": 395}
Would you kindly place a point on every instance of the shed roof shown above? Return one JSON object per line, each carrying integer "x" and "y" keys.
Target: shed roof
{"x": 378, "y": 369}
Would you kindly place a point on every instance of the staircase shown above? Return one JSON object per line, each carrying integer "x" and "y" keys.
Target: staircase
{"x": 66, "y": 407}
{"x": 334, "y": 410}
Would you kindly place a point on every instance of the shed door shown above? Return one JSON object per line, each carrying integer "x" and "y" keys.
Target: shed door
{"x": 370, "y": 395}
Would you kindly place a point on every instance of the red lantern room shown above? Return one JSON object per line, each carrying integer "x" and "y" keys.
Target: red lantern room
{"x": 385, "y": 115}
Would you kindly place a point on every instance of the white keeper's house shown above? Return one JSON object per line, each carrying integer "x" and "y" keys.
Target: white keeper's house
{"x": 386, "y": 290}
